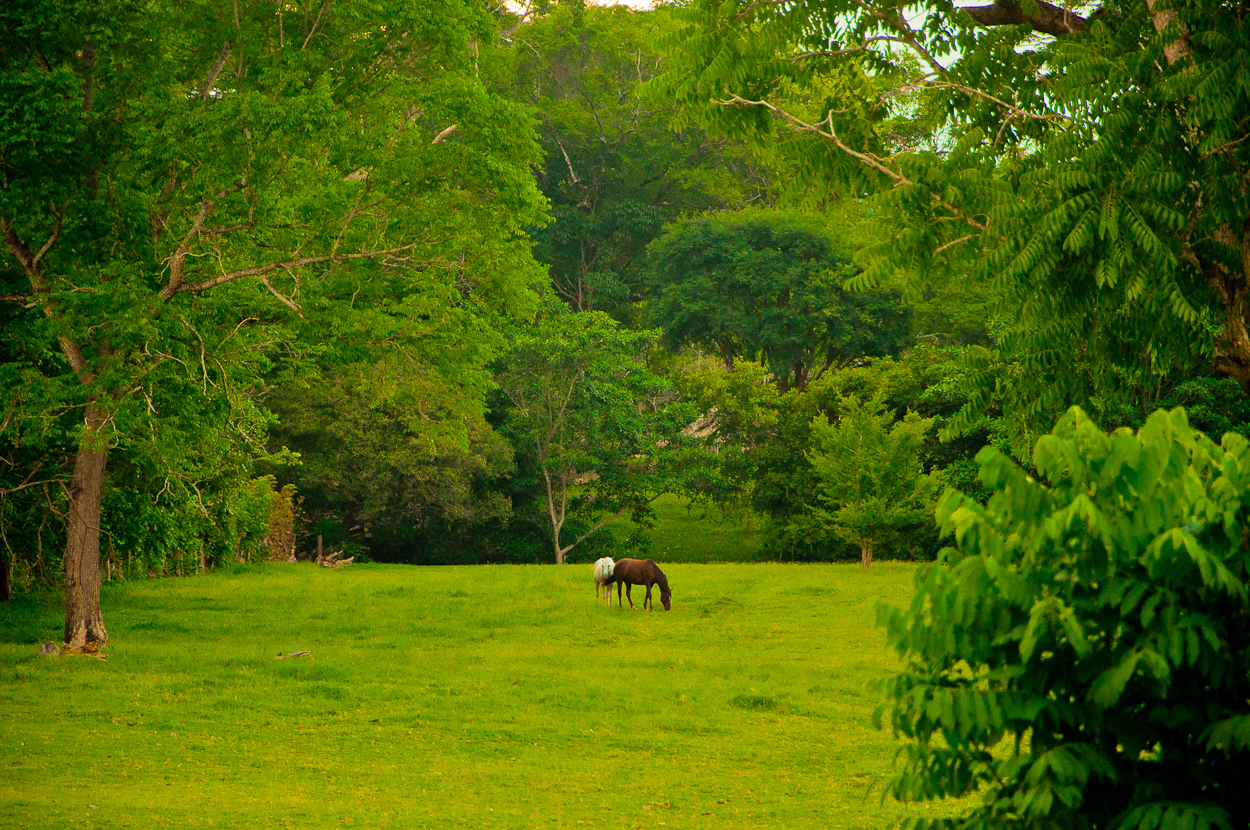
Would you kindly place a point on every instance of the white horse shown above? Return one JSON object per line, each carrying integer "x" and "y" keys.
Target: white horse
{"x": 603, "y": 578}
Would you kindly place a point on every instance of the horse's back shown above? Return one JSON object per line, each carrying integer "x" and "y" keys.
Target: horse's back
{"x": 638, "y": 571}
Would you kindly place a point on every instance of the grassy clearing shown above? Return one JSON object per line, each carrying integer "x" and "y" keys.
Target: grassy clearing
{"x": 694, "y": 533}
{"x": 447, "y": 697}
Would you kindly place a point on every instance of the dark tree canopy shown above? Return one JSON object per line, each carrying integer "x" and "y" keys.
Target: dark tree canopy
{"x": 615, "y": 167}
{"x": 768, "y": 284}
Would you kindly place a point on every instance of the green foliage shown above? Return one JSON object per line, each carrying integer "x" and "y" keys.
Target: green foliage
{"x": 177, "y": 532}
{"x": 1079, "y": 657}
{"x": 596, "y": 433}
{"x": 198, "y": 198}
{"x": 762, "y": 439}
{"x": 872, "y": 483}
{"x": 389, "y": 455}
{"x": 768, "y": 285}
{"x": 615, "y": 168}
{"x": 1092, "y": 177}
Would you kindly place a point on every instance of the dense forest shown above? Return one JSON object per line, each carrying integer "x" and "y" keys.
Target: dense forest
{"x": 451, "y": 283}
{"x": 444, "y": 281}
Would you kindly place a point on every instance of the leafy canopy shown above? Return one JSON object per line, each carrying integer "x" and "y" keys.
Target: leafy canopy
{"x": 872, "y": 482}
{"x": 768, "y": 284}
{"x": 596, "y": 433}
{"x": 1089, "y": 164}
{"x": 615, "y": 167}
{"x": 1079, "y": 656}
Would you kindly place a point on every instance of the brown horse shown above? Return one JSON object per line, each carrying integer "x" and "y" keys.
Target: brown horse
{"x": 630, "y": 572}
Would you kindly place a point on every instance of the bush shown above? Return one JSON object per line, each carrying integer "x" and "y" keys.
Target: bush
{"x": 1080, "y": 656}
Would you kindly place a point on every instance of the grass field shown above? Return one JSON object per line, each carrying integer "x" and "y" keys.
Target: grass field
{"x": 695, "y": 533}
{"x": 493, "y": 696}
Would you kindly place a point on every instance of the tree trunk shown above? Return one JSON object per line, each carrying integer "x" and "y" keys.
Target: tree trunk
{"x": 865, "y": 553}
{"x": 84, "y": 623}
{"x": 6, "y": 579}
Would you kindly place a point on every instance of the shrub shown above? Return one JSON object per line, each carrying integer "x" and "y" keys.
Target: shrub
{"x": 1079, "y": 656}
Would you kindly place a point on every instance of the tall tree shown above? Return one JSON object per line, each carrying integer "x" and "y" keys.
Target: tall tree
{"x": 389, "y": 453}
{"x": 616, "y": 167}
{"x": 872, "y": 483}
{"x": 1093, "y": 166}
{"x": 179, "y": 178}
{"x": 768, "y": 284}
{"x": 599, "y": 433}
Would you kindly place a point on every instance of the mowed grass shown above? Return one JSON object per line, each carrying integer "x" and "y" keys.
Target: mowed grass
{"x": 698, "y": 533}
{"x": 494, "y": 696}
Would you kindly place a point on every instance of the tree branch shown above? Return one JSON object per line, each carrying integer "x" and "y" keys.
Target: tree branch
{"x": 203, "y": 285}
{"x": 33, "y": 484}
{"x": 568, "y": 162}
{"x": 587, "y": 534}
{"x": 21, "y": 251}
{"x": 211, "y": 77}
{"x": 264, "y": 280}
{"x": 869, "y": 159}
{"x": 316, "y": 23}
{"x": 1050, "y": 19}
{"x": 178, "y": 262}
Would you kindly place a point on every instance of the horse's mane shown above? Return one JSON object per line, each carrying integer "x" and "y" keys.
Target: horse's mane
{"x": 660, "y": 578}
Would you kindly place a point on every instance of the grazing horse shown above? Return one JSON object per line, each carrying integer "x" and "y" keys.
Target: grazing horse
{"x": 603, "y": 577}
{"x": 630, "y": 572}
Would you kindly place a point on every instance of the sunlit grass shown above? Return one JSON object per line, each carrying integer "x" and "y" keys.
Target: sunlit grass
{"x": 697, "y": 533}
{"x": 436, "y": 697}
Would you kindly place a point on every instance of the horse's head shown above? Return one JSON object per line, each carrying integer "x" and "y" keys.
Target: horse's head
{"x": 666, "y": 597}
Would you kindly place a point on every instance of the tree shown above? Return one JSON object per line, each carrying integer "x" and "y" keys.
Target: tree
{"x": 1090, "y": 161}
{"x": 765, "y": 283}
{"x": 389, "y": 454}
{"x": 187, "y": 186}
{"x": 872, "y": 482}
{"x": 616, "y": 168}
{"x": 595, "y": 432}
{"x": 762, "y": 443}
{"x": 1081, "y": 655}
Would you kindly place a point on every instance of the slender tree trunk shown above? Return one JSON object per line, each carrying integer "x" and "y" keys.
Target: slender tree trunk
{"x": 865, "y": 553}
{"x": 84, "y": 624}
{"x": 6, "y": 579}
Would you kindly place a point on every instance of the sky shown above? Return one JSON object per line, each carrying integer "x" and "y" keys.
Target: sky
{"x": 635, "y": 4}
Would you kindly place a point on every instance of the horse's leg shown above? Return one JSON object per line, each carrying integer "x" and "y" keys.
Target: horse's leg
{"x": 628, "y": 587}
{"x": 619, "y": 604}
{"x": 647, "y": 603}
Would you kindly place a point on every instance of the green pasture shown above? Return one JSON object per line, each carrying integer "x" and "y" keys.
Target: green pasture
{"x": 492, "y": 696}
{"x": 698, "y": 533}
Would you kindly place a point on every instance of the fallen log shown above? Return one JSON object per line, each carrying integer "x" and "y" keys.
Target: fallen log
{"x": 331, "y": 560}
